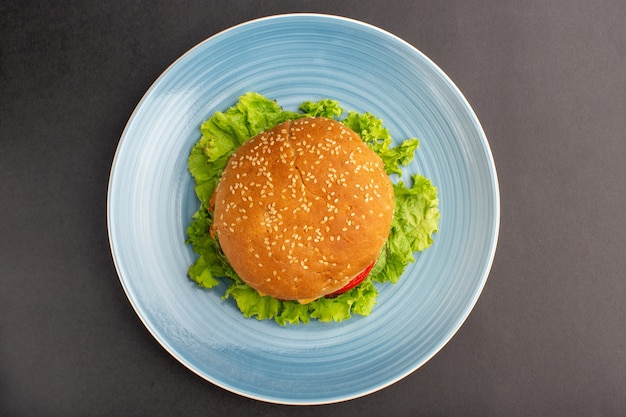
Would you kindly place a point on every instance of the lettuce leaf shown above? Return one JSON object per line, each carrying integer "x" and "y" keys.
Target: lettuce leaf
{"x": 415, "y": 213}
{"x": 415, "y": 220}
{"x": 293, "y": 313}
{"x": 251, "y": 303}
{"x": 378, "y": 139}
{"x": 322, "y": 108}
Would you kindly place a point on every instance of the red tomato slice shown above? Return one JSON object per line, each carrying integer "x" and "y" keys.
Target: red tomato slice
{"x": 354, "y": 282}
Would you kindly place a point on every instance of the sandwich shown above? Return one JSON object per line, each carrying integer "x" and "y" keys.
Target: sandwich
{"x": 302, "y": 209}
{"x": 302, "y": 212}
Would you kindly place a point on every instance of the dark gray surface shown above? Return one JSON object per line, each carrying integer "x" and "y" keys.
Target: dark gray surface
{"x": 547, "y": 79}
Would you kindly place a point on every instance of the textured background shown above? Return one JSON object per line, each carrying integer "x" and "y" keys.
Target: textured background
{"x": 547, "y": 81}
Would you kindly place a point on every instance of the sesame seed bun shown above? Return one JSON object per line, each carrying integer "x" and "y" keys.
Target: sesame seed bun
{"x": 303, "y": 208}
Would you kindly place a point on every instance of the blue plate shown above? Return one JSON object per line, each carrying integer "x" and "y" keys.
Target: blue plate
{"x": 293, "y": 58}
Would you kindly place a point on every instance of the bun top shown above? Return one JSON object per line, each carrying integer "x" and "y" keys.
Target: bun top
{"x": 303, "y": 208}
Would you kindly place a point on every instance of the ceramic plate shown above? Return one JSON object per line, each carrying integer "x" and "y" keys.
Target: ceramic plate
{"x": 293, "y": 58}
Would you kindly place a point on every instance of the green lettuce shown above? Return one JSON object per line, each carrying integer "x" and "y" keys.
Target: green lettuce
{"x": 378, "y": 139}
{"x": 415, "y": 220}
{"x": 416, "y": 213}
